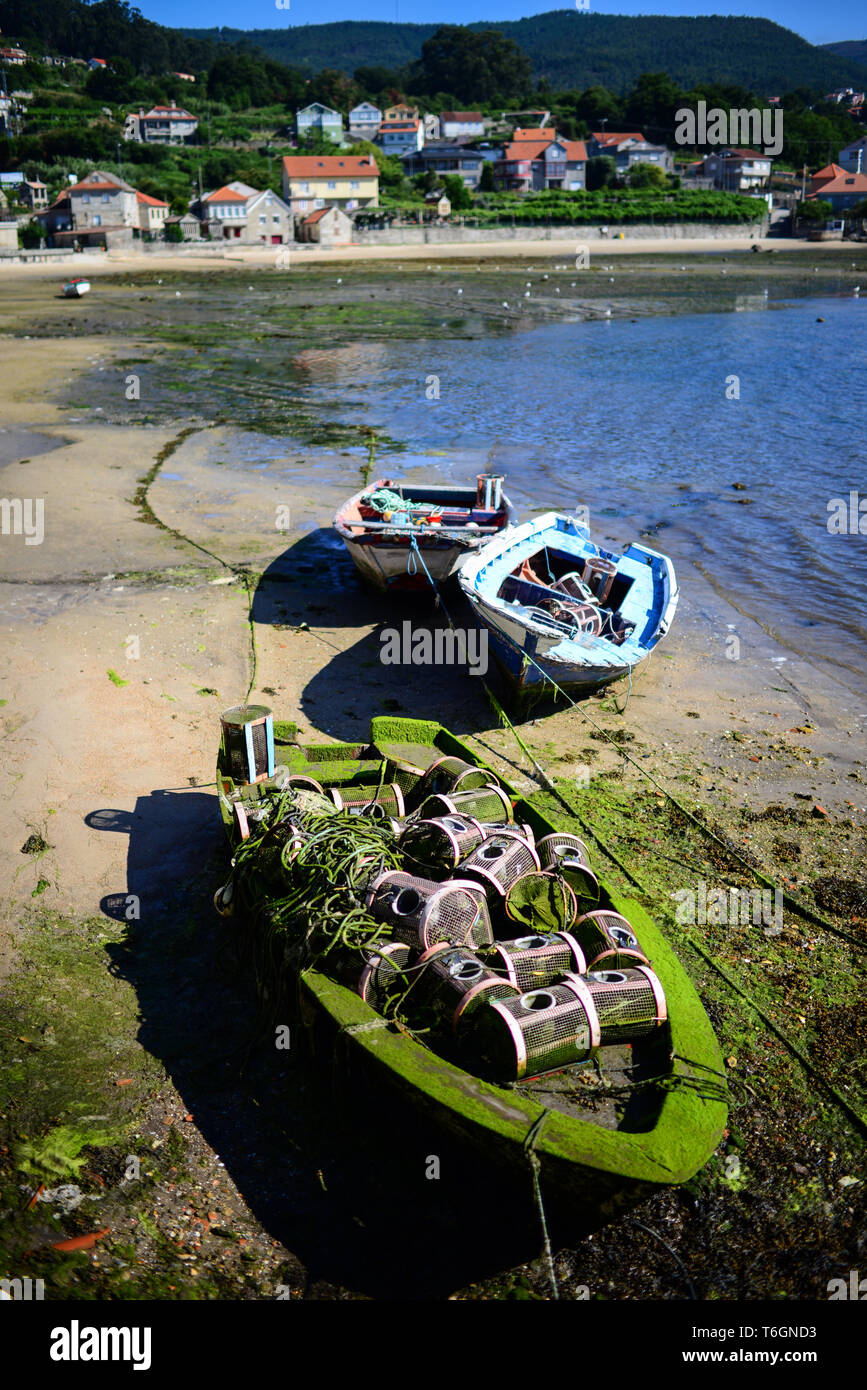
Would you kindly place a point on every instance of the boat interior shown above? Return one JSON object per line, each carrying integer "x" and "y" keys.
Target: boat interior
{"x": 620, "y": 1086}
{"x": 572, "y": 592}
{"x": 427, "y": 505}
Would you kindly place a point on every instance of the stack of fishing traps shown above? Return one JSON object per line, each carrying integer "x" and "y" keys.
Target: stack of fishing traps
{"x": 493, "y": 943}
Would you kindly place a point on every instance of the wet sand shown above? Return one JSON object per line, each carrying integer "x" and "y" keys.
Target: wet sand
{"x": 190, "y": 570}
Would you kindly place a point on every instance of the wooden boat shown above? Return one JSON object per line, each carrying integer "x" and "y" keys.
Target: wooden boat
{"x": 389, "y": 528}
{"x": 600, "y": 1148}
{"x": 559, "y": 608}
{"x": 74, "y": 289}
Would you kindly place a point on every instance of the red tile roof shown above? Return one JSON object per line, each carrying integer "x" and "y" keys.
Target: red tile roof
{"x": 546, "y": 133}
{"x": 225, "y": 195}
{"x": 462, "y": 116}
{"x": 616, "y": 137}
{"x": 149, "y": 201}
{"x": 315, "y": 216}
{"x": 841, "y": 183}
{"x": 330, "y": 166}
{"x": 526, "y": 149}
{"x": 576, "y": 151}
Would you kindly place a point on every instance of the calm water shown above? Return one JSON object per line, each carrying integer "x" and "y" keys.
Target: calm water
{"x": 632, "y": 419}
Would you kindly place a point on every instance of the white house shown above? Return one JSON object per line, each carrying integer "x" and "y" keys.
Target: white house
{"x": 854, "y": 157}
{"x": 365, "y": 120}
{"x": 152, "y": 212}
{"x": 457, "y": 125}
{"x": 319, "y": 119}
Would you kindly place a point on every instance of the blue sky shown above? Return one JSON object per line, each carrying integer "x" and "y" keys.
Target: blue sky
{"x": 833, "y": 20}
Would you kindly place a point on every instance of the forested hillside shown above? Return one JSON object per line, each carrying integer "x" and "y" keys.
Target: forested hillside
{"x": 570, "y": 48}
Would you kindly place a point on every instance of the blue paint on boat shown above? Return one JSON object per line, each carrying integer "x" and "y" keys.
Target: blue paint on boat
{"x": 546, "y": 623}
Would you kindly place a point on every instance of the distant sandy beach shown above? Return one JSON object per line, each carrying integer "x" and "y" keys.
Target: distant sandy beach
{"x": 232, "y": 258}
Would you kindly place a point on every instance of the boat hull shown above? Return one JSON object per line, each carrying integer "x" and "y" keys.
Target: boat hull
{"x": 588, "y": 1172}
{"x": 406, "y": 557}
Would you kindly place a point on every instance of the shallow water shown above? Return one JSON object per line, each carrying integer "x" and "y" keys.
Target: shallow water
{"x": 629, "y": 416}
{"x": 632, "y": 420}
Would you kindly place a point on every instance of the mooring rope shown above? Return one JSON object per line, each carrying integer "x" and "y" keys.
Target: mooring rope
{"x": 530, "y": 1139}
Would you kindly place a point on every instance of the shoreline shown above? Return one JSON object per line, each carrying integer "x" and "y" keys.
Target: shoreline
{"x": 256, "y": 258}
{"x": 167, "y": 535}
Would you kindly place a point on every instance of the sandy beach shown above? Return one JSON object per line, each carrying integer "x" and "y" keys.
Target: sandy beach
{"x": 153, "y": 604}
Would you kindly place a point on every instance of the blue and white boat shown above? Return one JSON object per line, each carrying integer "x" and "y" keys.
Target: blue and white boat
{"x": 558, "y": 608}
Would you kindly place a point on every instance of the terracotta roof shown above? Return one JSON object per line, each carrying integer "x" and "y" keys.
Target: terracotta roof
{"x": 830, "y": 171}
{"x": 526, "y": 149}
{"x": 616, "y": 137}
{"x": 316, "y": 216}
{"x": 149, "y": 201}
{"x": 225, "y": 195}
{"x": 546, "y": 133}
{"x": 329, "y": 165}
{"x": 98, "y": 188}
{"x": 576, "y": 150}
{"x": 462, "y": 116}
{"x": 842, "y": 183}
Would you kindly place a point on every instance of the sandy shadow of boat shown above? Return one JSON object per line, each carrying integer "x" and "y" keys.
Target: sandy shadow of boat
{"x": 315, "y": 582}
{"x": 343, "y": 1181}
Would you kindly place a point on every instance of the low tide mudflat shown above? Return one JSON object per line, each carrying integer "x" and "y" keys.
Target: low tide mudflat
{"x": 191, "y": 433}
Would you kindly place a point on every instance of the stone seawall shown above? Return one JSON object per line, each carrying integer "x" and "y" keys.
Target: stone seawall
{"x": 590, "y": 235}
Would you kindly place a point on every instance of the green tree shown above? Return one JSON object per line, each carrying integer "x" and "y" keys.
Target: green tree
{"x": 647, "y": 176}
{"x": 486, "y": 178}
{"x": 476, "y": 67}
{"x": 457, "y": 192}
{"x": 814, "y": 210}
{"x": 601, "y": 172}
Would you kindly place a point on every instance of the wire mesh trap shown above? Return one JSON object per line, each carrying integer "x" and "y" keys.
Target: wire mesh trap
{"x": 487, "y": 803}
{"x": 454, "y": 984}
{"x": 498, "y": 861}
{"x": 538, "y": 1031}
{"x": 438, "y": 846}
{"x": 542, "y": 901}
{"x": 380, "y": 802}
{"x": 630, "y": 1003}
{"x": 608, "y": 941}
{"x": 529, "y": 962}
{"x": 424, "y": 913}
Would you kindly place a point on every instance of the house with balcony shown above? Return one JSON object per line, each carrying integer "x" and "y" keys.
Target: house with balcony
{"x": 738, "y": 170}
{"x": 628, "y": 148}
{"x": 100, "y": 210}
{"x": 317, "y": 119}
{"x": 365, "y": 120}
{"x": 162, "y": 125}
{"x": 347, "y": 181}
{"x": 400, "y": 112}
{"x": 33, "y": 193}
{"x": 530, "y": 165}
{"x": 445, "y": 157}
{"x": 462, "y": 125}
{"x": 400, "y": 137}
{"x": 250, "y": 216}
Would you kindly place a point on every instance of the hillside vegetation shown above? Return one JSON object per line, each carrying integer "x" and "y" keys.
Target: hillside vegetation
{"x": 570, "y": 48}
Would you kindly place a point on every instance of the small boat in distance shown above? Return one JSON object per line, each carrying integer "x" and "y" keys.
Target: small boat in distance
{"x": 560, "y": 609}
{"x": 397, "y": 531}
{"x": 74, "y": 289}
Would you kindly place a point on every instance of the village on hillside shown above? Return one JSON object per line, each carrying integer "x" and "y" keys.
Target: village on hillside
{"x": 344, "y": 171}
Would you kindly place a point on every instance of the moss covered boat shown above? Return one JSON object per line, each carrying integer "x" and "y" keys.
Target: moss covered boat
{"x": 610, "y": 1123}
